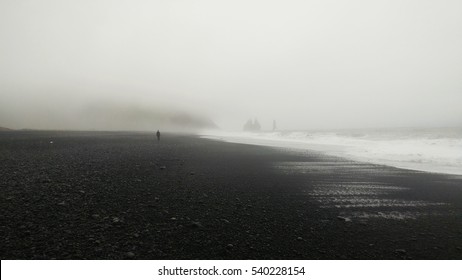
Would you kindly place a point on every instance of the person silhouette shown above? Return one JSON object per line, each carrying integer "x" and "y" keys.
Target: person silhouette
{"x": 158, "y": 136}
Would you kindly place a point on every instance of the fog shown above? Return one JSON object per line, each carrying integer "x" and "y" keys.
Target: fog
{"x": 138, "y": 65}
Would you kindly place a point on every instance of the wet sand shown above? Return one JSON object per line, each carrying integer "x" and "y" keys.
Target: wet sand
{"x": 89, "y": 195}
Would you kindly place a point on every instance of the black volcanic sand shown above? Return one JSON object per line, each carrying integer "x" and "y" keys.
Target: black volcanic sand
{"x": 88, "y": 195}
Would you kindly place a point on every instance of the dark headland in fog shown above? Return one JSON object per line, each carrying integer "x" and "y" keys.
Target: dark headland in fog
{"x": 87, "y": 195}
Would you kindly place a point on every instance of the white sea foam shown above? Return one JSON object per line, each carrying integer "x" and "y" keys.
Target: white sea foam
{"x": 436, "y": 150}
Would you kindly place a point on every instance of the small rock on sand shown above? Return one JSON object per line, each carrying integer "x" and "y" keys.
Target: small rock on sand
{"x": 345, "y": 219}
{"x": 225, "y": 221}
{"x": 195, "y": 225}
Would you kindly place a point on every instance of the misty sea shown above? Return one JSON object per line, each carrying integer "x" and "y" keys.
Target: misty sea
{"x": 436, "y": 150}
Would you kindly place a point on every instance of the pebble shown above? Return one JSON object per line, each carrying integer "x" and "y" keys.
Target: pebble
{"x": 130, "y": 254}
{"x": 344, "y": 219}
{"x": 225, "y": 221}
{"x": 400, "y": 251}
{"x": 162, "y": 167}
{"x": 229, "y": 246}
{"x": 299, "y": 238}
{"x": 195, "y": 225}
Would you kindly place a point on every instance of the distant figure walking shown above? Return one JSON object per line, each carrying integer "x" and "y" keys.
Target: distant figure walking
{"x": 158, "y": 136}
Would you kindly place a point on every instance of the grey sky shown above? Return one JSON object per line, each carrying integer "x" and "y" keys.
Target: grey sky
{"x": 307, "y": 64}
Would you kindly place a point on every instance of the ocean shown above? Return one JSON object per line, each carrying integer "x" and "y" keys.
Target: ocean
{"x": 437, "y": 150}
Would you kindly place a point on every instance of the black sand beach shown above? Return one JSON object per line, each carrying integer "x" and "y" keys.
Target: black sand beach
{"x": 88, "y": 195}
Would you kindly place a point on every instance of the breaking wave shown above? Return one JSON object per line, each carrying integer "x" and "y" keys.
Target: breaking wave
{"x": 430, "y": 150}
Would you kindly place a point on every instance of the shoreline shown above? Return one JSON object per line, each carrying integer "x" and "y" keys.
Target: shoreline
{"x": 92, "y": 195}
{"x": 336, "y": 150}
